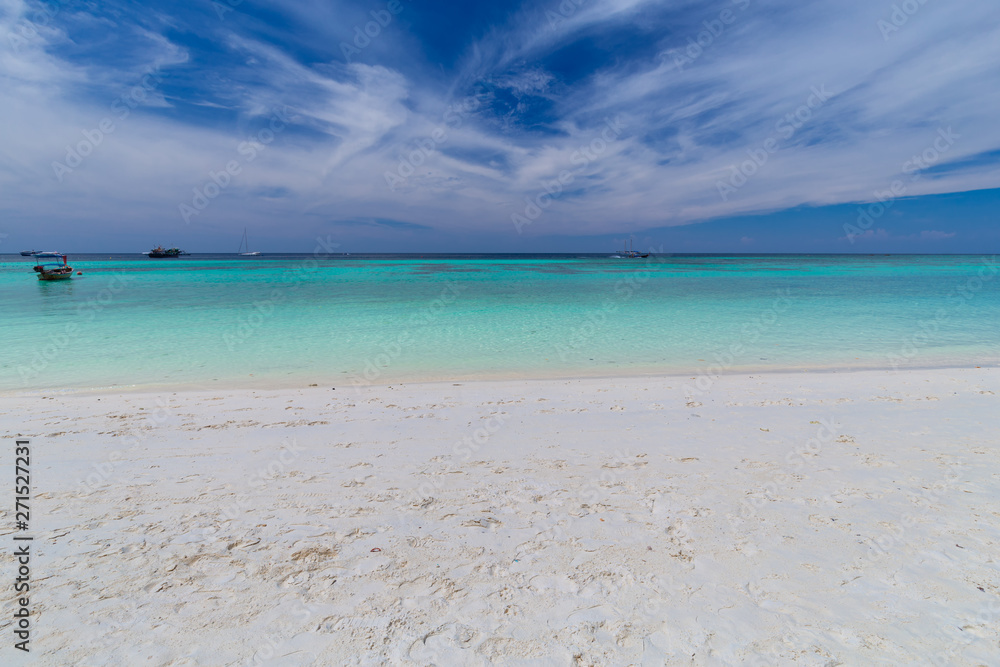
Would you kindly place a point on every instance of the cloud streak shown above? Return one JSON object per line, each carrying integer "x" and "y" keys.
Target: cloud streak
{"x": 543, "y": 88}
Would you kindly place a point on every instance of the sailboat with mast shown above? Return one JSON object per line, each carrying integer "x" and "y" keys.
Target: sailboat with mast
{"x": 630, "y": 253}
{"x": 246, "y": 243}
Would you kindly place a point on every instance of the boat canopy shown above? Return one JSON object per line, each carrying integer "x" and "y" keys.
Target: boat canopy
{"x": 50, "y": 255}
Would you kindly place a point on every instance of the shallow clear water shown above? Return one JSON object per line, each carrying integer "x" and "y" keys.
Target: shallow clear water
{"x": 292, "y": 319}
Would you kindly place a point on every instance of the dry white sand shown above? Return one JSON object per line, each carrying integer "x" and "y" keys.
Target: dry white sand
{"x": 810, "y": 519}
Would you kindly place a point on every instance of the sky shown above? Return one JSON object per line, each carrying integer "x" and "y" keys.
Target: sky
{"x": 556, "y": 126}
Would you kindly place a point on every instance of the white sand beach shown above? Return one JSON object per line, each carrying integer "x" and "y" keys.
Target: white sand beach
{"x": 810, "y": 519}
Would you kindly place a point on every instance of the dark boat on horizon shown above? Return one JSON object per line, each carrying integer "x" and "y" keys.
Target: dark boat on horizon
{"x": 160, "y": 252}
{"x": 630, "y": 254}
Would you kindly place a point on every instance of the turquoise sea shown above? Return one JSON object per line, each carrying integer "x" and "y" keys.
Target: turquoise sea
{"x": 281, "y": 320}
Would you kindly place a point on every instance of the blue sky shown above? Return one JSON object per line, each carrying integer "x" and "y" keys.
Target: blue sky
{"x": 413, "y": 125}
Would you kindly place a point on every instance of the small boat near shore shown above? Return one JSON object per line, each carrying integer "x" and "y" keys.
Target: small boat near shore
{"x": 28, "y": 253}
{"x": 52, "y": 270}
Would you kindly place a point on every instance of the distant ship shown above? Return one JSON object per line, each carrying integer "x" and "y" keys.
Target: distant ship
{"x": 160, "y": 252}
{"x": 246, "y": 243}
{"x": 630, "y": 254}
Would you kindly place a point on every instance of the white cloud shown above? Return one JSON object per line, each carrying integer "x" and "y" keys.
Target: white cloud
{"x": 686, "y": 130}
{"x": 934, "y": 235}
{"x": 872, "y": 235}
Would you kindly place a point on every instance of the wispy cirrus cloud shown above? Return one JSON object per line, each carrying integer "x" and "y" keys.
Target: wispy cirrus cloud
{"x": 544, "y": 89}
